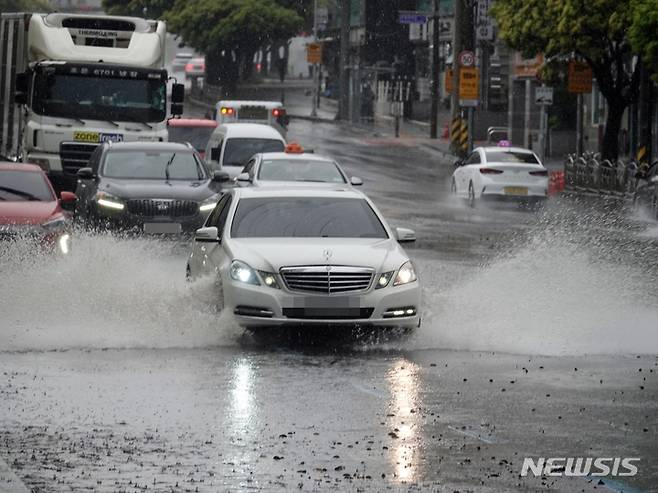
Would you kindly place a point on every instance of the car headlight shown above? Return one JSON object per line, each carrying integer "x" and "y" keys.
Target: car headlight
{"x": 243, "y": 273}
{"x": 384, "y": 279}
{"x": 109, "y": 201}
{"x": 208, "y": 204}
{"x": 406, "y": 274}
{"x": 53, "y": 224}
{"x": 269, "y": 279}
{"x": 64, "y": 243}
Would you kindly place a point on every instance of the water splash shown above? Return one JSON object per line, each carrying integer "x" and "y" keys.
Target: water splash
{"x": 109, "y": 292}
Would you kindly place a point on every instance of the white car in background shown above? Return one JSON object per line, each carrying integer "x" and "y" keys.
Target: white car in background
{"x": 500, "y": 173}
{"x": 313, "y": 256}
{"x": 294, "y": 167}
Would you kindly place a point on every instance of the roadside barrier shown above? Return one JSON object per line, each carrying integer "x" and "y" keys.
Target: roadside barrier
{"x": 587, "y": 173}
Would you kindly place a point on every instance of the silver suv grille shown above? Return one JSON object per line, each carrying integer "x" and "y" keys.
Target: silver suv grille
{"x": 327, "y": 279}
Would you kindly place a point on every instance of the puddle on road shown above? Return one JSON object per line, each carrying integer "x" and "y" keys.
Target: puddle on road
{"x": 566, "y": 287}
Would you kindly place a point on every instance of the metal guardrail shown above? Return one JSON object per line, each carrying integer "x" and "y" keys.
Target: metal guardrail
{"x": 588, "y": 173}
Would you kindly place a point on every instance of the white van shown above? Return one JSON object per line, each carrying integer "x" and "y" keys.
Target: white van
{"x": 231, "y": 145}
{"x": 266, "y": 112}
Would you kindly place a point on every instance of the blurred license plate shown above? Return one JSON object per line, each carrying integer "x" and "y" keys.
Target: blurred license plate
{"x": 162, "y": 228}
{"x": 516, "y": 191}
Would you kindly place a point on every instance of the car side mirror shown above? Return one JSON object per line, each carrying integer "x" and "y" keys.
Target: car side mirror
{"x": 178, "y": 95}
{"x": 176, "y": 109}
{"x": 356, "y": 181}
{"x": 207, "y": 235}
{"x": 67, "y": 200}
{"x": 405, "y": 235}
{"x": 85, "y": 173}
{"x": 220, "y": 176}
{"x": 243, "y": 177}
{"x": 214, "y": 154}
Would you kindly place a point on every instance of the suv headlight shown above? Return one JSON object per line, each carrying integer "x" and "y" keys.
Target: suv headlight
{"x": 54, "y": 224}
{"x": 109, "y": 201}
{"x": 406, "y": 274}
{"x": 208, "y": 204}
{"x": 242, "y": 272}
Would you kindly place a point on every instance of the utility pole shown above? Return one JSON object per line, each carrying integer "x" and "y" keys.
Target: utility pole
{"x": 436, "y": 94}
{"x": 456, "y": 49}
{"x": 314, "y": 110}
{"x": 344, "y": 86}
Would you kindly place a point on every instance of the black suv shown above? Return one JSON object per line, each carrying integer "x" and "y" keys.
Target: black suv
{"x": 150, "y": 187}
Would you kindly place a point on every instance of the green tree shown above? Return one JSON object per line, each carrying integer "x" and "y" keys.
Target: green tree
{"x": 230, "y": 32}
{"x": 25, "y": 6}
{"x": 154, "y": 8}
{"x": 644, "y": 33}
{"x": 592, "y": 30}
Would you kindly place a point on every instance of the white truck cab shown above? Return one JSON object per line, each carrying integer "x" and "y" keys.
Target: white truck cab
{"x": 82, "y": 80}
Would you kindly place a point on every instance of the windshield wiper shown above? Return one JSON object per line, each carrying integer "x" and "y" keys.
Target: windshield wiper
{"x": 113, "y": 123}
{"x": 135, "y": 120}
{"x": 173, "y": 156}
{"x": 20, "y": 193}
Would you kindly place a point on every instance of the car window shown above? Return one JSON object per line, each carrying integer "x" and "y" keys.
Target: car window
{"x": 249, "y": 167}
{"x": 220, "y": 220}
{"x": 95, "y": 158}
{"x": 474, "y": 158}
{"x": 153, "y": 165}
{"x": 306, "y": 217}
{"x": 511, "y": 157}
{"x": 238, "y": 150}
{"x": 20, "y": 186}
{"x": 214, "y": 215}
{"x": 311, "y": 170}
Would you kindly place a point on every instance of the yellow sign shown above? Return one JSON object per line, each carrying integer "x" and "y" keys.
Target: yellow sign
{"x": 580, "y": 77}
{"x": 527, "y": 67}
{"x": 448, "y": 81}
{"x": 314, "y": 53}
{"x": 86, "y": 136}
{"x": 469, "y": 83}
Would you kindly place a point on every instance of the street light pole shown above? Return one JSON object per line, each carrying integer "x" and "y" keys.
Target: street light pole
{"x": 314, "y": 110}
{"x": 434, "y": 112}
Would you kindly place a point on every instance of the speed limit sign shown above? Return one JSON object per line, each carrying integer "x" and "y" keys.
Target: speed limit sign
{"x": 466, "y": 58}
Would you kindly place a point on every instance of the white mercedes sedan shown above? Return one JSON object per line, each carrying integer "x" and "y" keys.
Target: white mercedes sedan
{"x": 500, "y": 173}
{"x": 307, "y": 257}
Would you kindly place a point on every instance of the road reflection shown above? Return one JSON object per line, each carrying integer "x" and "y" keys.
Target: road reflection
{"x": 242, "y": 412}
{"x": 404, "y": 419}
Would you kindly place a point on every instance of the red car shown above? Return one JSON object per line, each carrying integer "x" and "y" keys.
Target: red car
{"x": 196, "y": 131}
{"x": 30, "y": 209}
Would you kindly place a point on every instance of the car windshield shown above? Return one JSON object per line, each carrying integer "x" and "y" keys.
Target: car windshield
{"x": 306, "y": 217}
{"x": 153, "y": 165}
{"x": 300, "y": 170}
{"x": 511, "y": 157}
{"x": 100, "y": 98}
{"x": 19, "y": 186}
{"x": 197, "y": 136}
{"x": 238, "y": 150}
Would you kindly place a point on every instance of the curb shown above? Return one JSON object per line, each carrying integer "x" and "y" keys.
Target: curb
{"x": 9, "y": 482}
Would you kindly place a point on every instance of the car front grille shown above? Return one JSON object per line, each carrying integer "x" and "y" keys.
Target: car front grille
{"x": 75, "y": 155}
{"x": 328, "y": 313}
{"x": 328, "y": 279}
{"x": 162, "y": 207}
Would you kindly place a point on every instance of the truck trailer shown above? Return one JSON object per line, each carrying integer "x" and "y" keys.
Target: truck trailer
{"x": 69, "y": 82}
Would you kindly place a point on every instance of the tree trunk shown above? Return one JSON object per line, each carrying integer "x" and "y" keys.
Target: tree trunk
{"x": 610, "y": 145}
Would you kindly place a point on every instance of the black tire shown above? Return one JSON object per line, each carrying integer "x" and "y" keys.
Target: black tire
{"x": 188, "y": 273}
{"x": 471, "y": 196}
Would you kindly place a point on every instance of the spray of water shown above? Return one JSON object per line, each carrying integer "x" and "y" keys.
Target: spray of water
{"x": 577, "y": 283}
{"x": 109, "y": 292}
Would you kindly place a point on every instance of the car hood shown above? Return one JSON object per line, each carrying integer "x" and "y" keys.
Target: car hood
{"x": 157, "y": 189}
{"x": 27, "y": 212}
{"x": 271, "y": 254}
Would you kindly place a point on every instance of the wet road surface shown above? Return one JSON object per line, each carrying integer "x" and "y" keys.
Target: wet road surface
{"x": 116, "y": 375}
